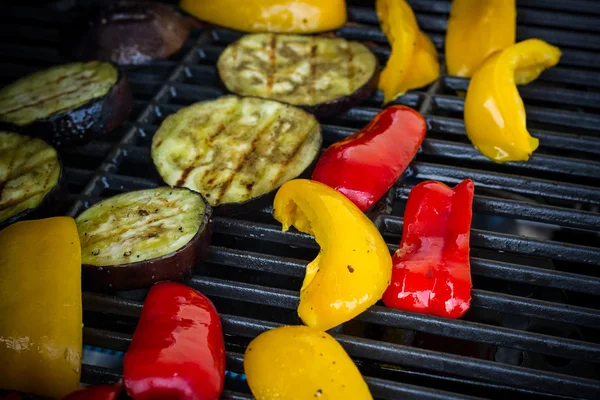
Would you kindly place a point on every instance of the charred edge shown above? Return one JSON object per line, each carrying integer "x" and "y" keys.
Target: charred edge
{"x": 186, "y": 172}
{"x": 86, "y": 82}
{"x": 272, "y": 62}
{"x": 244, "y": 160}
{"x": 313, "y": 70}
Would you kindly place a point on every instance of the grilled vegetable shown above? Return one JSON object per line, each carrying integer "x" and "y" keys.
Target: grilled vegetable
{"x": 234, "y": 149}
{"x": 68, "y": 104}
{"x": 135, "y": 239}
{"x": 494, "y": 114}
{"x": 40, "y": 307}
{"x": 298, "y": 362}
{"x": 98, "y": 392}
{"x": 134, "y": 32}
{"x": 324, "y": 75}
{"x": 293, "y": 16}
{"x": 431, "y": 272}
{"x": 177, "y": 350}
{"x": 30, "y": 178}
{"x": 354, "y": 266}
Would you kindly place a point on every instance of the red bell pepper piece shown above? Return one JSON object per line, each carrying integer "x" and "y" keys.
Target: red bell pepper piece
{"x": 431, "y": 272}
{"x": 177, "y": 350}
{"x": 98, "y": 392}
{"x": 366, "y": 164}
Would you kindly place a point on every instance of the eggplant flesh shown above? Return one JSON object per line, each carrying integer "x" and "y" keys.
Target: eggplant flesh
{"x": 134, "y": 32}
{"x": 67, "y": 104}
{"x": 30, "y": 174}
{"x": 323, "y": 75}
{"x": 233, "y": 149}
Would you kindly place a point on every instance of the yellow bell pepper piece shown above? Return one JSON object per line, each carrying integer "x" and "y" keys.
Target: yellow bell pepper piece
{"x": 289, "y": 16}
{"x": 494, "y": 112}
{"x": 40, "y": 307}
{"x": 354, "y": 266}
{"x": 414, "y": 59}
{"x": 298, "y": 362}
{"x": 477, "y": 29}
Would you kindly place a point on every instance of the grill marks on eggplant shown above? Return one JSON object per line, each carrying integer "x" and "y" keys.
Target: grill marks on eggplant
{"x": 234, "y": 149}
{"x": 29, "y": 170}
{"x": 55, "y": 91}
{"x": 139, "y": 226}
{"x": 300, "y": 70}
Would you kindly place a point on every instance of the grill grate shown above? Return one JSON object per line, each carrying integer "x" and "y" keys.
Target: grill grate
{"x": 533, "y": 329}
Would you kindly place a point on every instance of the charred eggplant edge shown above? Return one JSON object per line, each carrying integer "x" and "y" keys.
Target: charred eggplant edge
{"x": 101, "y": 115}
{"x": 174, "y": 266}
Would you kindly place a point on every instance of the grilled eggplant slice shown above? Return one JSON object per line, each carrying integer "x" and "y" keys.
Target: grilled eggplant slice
{"x": 233, "y": 149}
{"x": 68, "y": 104}
{"x": 135, "y": 32}
{"x": 31, "y": 178}
{"x": 323, "y": 75}
{"x": 135, "y": 239}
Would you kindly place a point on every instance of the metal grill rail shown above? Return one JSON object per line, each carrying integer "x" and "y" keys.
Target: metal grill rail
{"x": 535, "y": 297}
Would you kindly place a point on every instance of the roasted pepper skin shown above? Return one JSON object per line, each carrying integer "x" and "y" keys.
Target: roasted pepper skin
{"x": 414, "y": 59}
{"x": 98, "y": 392}
{"x": 298, "y": 362}
{"x": 494, "y": 112}
{"x": 366, "y": 164}
{"x": 354, "y": 265}
{"x": 477, "y": 29}
{"x": 289, "y": 16}
{"x": 40, "y": 307}
{"x": 177, "y": 350}
{"x": 431, "y": 273}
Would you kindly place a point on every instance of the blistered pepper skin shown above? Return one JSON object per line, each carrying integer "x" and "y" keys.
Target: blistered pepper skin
{"x": 431, "y": 273}
{"x": 298, "y": 362}
{"x": 494, "y": 112}
{"x": 366, "y": 164}
{"x": 353, "y": 267}
{"x": 413, "y": 62}
{"x": 40, "y": 307}
{"x": 177, "y": 350}
{"x": 477, "y": 29}
{"x": 283, "y": 16}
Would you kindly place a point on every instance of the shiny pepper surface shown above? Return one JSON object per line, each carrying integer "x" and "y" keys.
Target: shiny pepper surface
{"x": 365, "y": 165}
{"x": 494, "y": 112}
{"x": 40, "y": 307}
{"x": 98, "y": 392}
{"x": 177, "y": 350}
{"x": 431, "y": 272}
{"x": 354, "y": 265}
{"x": 414, "y": 60}
{"x": 288, "y": 16}
{"x": 298, "y": 362}
{"x": 477, "y": 29}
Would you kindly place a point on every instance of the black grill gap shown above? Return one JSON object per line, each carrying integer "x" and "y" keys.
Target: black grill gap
{"x": 533, "y": 330}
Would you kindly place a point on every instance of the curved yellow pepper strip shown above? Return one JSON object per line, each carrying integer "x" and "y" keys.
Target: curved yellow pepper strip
{"x": 298, "y": 362}
{"x": 290, "y": 16}
{"x": 40, "y": 307}
{"x": 354, "y": 266}
{"x": 494, "y": 112}
{"x": 477, "y": 29}
{"x": 414, "y": 59}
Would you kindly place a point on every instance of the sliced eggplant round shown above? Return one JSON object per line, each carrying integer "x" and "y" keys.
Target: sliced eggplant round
{"x": 233, "y": 150}
{"x": 135, "y": 239}
{"x": 68, "y": 104}
{"x": 135, "y": 32}
{"x": 325, "y": 76}
{"x": 31, "y": 178}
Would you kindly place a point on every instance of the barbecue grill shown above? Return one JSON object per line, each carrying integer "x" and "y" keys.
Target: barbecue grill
{"x": 533, "y": 330}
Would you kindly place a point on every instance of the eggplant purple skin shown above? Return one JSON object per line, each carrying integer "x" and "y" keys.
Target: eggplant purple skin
{"x": 49, "y": 207}
{"x": 333, "y": 107}
{"x": 175, "y": 266}
{"x": 85, "y": 123}
{"x": 133, "y": 33}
